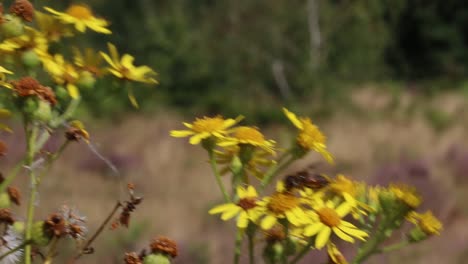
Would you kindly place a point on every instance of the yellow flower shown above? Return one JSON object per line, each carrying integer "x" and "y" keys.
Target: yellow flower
{"x": 327, "y": 217}
{"x": 63, "y": 73}
{"x": 257, "y": 164}
{"x": 124, "y": 69}
{"x": 89, "y": 60}
{"x": 206, "y": 127}
{"x": 81, "y": 16}
{"x": 247, "y": 209}
{"x": 310, "y": 137}
{"x": 406, "y": 194}
{"x": 245, "y": 135}
{"x": 283, "y": 204}
{"x": 30, "y": 40}
{"x": 51, "y": 28}
{"x": 428, "y": 223}
{"x": 3, "y": 73}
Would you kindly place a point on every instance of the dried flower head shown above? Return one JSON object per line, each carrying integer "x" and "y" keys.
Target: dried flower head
{"x": 15, "y": 195}
{"x": 76, "y": 131}
{"x": 132, "y": 258}
{"x": 164, "y": 245}
{"x": 28, "y": 86}
{"x": 6, "y": 216}
{"x": 75, "y": 222}
{"x": 55, "y": 225}
{"x": 23, "y": 9}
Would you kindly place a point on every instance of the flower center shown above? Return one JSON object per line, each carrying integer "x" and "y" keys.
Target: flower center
{"x": 79, "y": 11}
{"x": 282, "y": 202}
{"x": 329, "y": 217}
{"x": 310, "y": 135}
{"x": 247, "y": 203}
{"x": 208, "y": 124}
{"x": 249, "y": 134}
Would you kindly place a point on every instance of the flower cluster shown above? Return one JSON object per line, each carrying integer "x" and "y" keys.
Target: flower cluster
{"x": 307, "y": 210}
{"x": 43, "y": 80}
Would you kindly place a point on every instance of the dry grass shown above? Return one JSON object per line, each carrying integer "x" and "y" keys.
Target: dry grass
{"x": 178, "y": 187}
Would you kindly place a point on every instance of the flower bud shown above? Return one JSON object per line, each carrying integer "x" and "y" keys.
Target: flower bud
{"x": 5, "y": 201}
{"x": 86, "y": 80}
{"x": 12, "y": 26}
{"x": 417, "y": 234}
{"x": 236, "y": 165}
{"x": 62, "y": 93}
{"x": 39, "y": 236}
{"x": 30, "y": 59}
{"x": 156, "y": 259}
{"x": 30, "y": 105}
{"x": 18, "y": 227}
{"x": 43, "y": 112}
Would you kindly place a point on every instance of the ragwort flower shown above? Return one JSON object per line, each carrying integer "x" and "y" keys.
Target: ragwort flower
{"x": 206, "y": 127}
{"x": 427, "y": 222}
{"x": 82, "y": 17}
{"x": 282, "y": 205}
{"x": 327, "y": 217}
{"x": 124, "y": 69}
{"x": 247, "y": 209}
{"x": 63, "y": 73}
{"x": 310, "y": 137}
{"x": 251, "y": 136}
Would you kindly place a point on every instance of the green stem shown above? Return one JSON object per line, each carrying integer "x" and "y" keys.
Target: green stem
{"x": 370, "y": 247}
{"x": 13, "y": 250}
{"x": 238, "y": 246}
{"x": 396, "y": 246}
{"x": 273, "y": 171}
{"x": 11, "y": 176}
{"x": 251, "y": 242}
{"x": 218, "y": 176}
{"x": 303, "y": 251}
{"x": 285, "y": 254}
{"x": 52, "y": 250}
{"x": 67, "y": 114}
{"x": 31, "y": 138}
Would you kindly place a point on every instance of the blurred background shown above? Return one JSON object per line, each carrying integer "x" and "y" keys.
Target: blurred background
{"x": 387, "y": 81}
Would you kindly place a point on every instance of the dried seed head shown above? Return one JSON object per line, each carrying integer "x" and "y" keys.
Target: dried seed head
{"x": 164, "y": 245}
{"x": 6, "y": 216}
{"x": 132, "y": 258}
{"x": 28, "y": 86}
{"x": 15, "y": 195}
{"x": 55, "y": 225}
{"x": 23, "y": 9}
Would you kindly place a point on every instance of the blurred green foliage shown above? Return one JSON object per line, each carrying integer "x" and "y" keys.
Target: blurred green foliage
{"x": 219, "y": 56}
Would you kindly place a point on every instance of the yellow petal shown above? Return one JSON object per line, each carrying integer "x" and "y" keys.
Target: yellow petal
{"x": 268, "y": 222}
{"x": 293, "y": 118}
{"x": 181, "y": 133}
{"x": 323, "y": 237}
{"x": 243, "y": 220}
{"x": 222, "y": 208}
{"x": 313, "y": 229}
{"x": 343, "y": 209}
{"x": 230, "y": 213}
{"x": 342, "y": 235}
{"x": 73, "y": 91}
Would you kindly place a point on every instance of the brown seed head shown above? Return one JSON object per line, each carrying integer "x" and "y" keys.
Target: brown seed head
{"x": 55, "y": 225}
{"x": 28, "y": 86}
{"x": 6, "y": 216}
{"x": 132, "y": 258}
{"x": 164, "y": 245}
{"x": 75, "y": 134}
{"x": 23, "y": 9}
{"x": 15, "y": 195}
